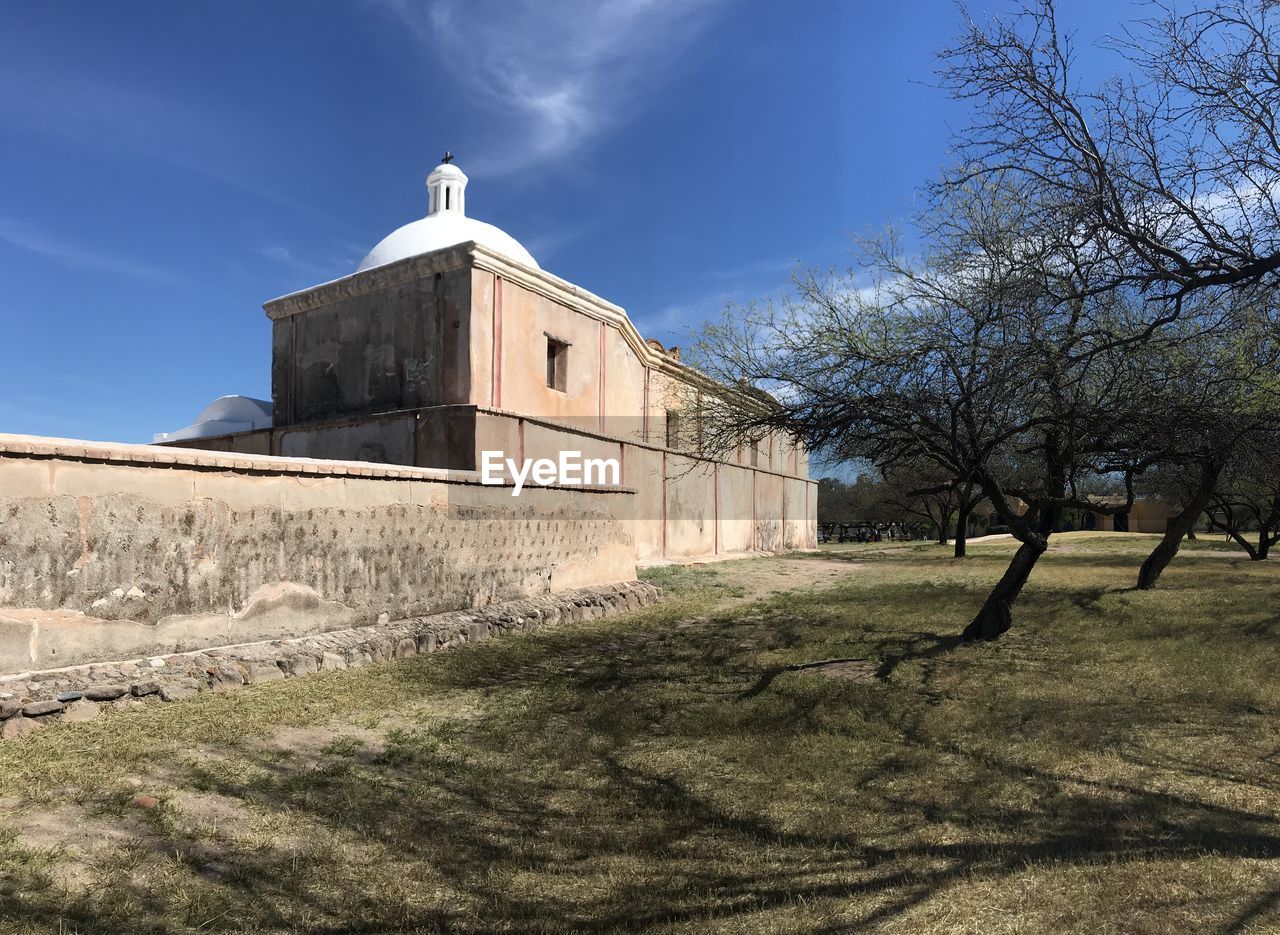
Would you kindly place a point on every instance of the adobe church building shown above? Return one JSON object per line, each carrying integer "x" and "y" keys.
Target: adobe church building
{"x": 450, "y": 340}
{"x": 348, "y": 520}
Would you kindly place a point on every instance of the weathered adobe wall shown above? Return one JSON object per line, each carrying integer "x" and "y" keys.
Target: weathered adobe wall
{"x": 110, "y": 551}
{"x": 402, "y": 347}
{"x": 684, "y": 506}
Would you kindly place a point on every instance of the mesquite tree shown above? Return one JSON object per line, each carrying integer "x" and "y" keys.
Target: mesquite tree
{"x": 990, "y": 358}
{"x": 1172, "y": 168}
{"x": 1247, "y": 498}
{"x": 920, "y": 490}
{"x": 1211, "y": 402}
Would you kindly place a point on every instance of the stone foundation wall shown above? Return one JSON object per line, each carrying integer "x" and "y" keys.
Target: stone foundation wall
{"x": 111, "y": 551}
{"x": 31, "y": 700}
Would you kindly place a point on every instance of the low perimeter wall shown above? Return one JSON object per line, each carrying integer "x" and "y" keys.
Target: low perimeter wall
{"x": 686, "y": 506}
{"x": 117, "y": 551}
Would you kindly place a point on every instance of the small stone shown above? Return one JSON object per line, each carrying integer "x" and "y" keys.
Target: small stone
{"x": 146, "y": 801}
{"x": 18, "y": 727}
{"x": 384, "y": 618}
{"x": 177, "y": 692}
{"x": 67, "y": 697}
{"x": 302, "y": 664}
{"x": 156, "y": 662}
{"x": 406, "y": 647}
{"x": 225, "y": 677}
{"x": 135, "y": 593}
{"x": 117, "y": 593}
{"x": 9, "y": 707}
{"x": 145, "y": 688}
{"x": 265, "y": 672}
{"x": 105, "y": 692}
{"x": 332, "y": 661}
{"x": 81, "y": 710}
{"x": 42, "y": 708}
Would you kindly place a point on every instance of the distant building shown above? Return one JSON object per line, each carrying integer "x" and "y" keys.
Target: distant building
{"x": 1146, "y": 514}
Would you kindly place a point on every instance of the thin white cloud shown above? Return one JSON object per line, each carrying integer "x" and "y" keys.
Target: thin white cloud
{"x": 68, "y": 254}
{"x": 287, "y": 257}
{"x": 147, "y": 124}
{"x": 758, "y": 280}
{"x": 556, "y": 73}
{"x": 547, "y": 244}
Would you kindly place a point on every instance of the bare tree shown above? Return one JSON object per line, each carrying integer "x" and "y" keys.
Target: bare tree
{"x": 990, "y": 359}
{"x": 1211, "y": 401}
{"x": 917, "y": 490}
{"x": 1172, "y": 169}
{"x": 1172, "y": 174}
{"x": 1247, "y": 498}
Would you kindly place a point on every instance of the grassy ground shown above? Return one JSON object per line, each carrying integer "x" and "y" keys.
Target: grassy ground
{"x": 1111, "y": 766}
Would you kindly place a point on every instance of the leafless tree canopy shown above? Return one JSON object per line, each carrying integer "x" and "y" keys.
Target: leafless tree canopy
{"x": 1095, "y": 293}
{"x": 1171, "y": 170}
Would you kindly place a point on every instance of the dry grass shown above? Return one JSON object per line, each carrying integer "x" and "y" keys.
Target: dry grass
{"x": 1111, "y": 766}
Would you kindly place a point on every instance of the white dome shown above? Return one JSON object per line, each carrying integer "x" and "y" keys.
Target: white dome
{"x": 439, "y": 231}
{"x": 224, "y": 415}
{"x": 445, "y": 225}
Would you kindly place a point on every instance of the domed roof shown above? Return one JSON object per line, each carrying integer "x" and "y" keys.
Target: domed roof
{"x": 438, "y": 231}
{"x": 224, "y": 415}
{"x": 445, "y": 225}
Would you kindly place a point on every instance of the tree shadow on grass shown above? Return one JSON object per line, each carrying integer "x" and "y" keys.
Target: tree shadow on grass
{"x": 565, "y": 810}
{"x": 471, "y": 823}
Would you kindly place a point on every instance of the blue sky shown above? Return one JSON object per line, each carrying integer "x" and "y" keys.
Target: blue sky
{"x": 168, "y": 167}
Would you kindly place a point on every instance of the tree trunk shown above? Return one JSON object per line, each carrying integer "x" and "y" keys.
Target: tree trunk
{"x": 996, "y": 614}
{"x": 962, "y": 530}
{"x": 1244, "y": 544}
{"x": 1264, "y": 544}
{"x": 1179, "y": 526}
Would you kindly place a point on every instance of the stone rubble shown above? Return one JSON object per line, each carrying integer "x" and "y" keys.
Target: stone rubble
{"x": 30, "y": 700}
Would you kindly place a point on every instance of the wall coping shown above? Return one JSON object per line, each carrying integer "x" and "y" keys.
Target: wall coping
{"x": 155, "y": 456}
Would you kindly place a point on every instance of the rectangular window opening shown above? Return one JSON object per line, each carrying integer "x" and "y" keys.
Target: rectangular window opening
{"x": 673, "y": 429}
{"x": 557, "y": 364}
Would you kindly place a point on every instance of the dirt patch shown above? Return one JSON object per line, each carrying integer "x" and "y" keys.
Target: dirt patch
{"x": 309, "y": 744}
{"x": 82, "y": 841}
{"x": 762, "y": 578}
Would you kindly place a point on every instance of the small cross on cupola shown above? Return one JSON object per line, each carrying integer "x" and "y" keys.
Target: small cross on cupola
{"x": 446, "y": 186}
